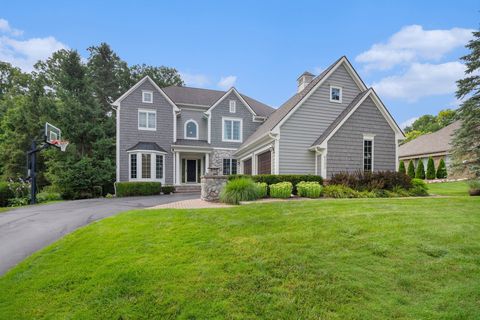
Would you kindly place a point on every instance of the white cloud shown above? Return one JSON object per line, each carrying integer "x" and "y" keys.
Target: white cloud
{"x": 227, "y": 82}
{"x": 413, "y": 44}
{"x": 25, "y": 53}
{"x": 408, "y": 122}
{"x": 422, "y": 80}
{"x": 6, "y": 28}
{"x": 195, "y": 80}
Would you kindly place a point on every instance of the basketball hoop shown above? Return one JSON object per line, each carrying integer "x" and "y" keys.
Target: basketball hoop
{"x": 62, "y": 144}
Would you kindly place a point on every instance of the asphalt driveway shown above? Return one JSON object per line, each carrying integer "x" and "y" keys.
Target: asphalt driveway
{"x": 28, "y": 229}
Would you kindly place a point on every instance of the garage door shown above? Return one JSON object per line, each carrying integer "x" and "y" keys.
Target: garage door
{"x": 247, "y": 166}
{"x": 265, "y": 163}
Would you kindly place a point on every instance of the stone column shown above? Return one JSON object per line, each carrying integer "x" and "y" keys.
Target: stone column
{"x": 212, "y": 186}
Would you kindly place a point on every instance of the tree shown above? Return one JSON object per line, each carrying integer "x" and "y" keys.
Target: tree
{"x": 426, "y": 123}
{"x": 162, "y": 76}
{"x": 466, "y": 141}
{"x": 430, "y": 169}
{"x": 411, "y": 169}
{"x": 446, "y": 117}
{"x": 441, "y": 170}
{"x": 420, "y": 172}
{"x": 409, "y": 136}
{"x": 401, "y": 168}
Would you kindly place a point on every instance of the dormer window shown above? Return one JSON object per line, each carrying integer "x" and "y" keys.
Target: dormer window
{"x": 191, "y": 129}
{"x": 147, "y": 96}
{"x": 335, "y": 94}
{"x": 233, "y": 106}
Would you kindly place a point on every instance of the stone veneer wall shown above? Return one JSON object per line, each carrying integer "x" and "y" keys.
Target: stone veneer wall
{"x": 216, "y": 159}
{"x": 211, "y": 187}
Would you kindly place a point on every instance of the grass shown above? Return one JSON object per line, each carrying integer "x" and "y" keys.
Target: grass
{"x": 414, "y": 258}
{"x": 2, "y": 209}
{"x": 456, "y": 188}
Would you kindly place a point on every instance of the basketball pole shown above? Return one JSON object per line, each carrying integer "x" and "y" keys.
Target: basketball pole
{"x": 32, "y": 157}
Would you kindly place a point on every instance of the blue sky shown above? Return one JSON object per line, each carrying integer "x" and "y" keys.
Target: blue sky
{"x": 408, "y": 51}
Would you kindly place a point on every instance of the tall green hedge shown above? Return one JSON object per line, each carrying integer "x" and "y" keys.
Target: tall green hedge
{"x": 270, "y": 179}
{"x": 131, "y": 189}
{"x": 401, "y": 168}
{"x": 442, "y": 170}
{"x": 430, "y": 169}
{"x": 411, "y": 169}
{"x": 5, "y": 194}
{"x": 420, "y": 172}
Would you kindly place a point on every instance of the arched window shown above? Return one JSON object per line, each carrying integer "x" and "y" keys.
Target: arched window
{"x": 191, "y": 129}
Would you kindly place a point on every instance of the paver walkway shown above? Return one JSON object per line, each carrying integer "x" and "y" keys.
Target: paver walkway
{"x": 191, "y": 204}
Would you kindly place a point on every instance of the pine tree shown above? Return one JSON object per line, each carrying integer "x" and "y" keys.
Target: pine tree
{"x": 430, "y": 169}
{"x": 441, "y": 170}
{"x": 420, "y": 172}
{"x": 466, "y": 145}
{"x": 401, "y": 168}
{"x": 411, "y": 169}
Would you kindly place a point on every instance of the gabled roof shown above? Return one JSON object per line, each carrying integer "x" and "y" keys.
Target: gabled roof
{"x": 340, "y": 117}
{"x": 436, "y": 142}
{"x": 352, "y": 107}
{"x": 150, "y": 146}
{"x": 277, "y": 117}
{"x": 138, "y": 84}
{"x": 207, "y": 98}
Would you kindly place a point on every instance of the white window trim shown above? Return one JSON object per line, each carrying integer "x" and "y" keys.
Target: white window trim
{"x": 223, "y": 129}
{"x": 143, "y": 96}
{"x": 147, "y": 111}
{"x": 232, "y": 104}
{"x": 341, "y": 94}
{"x": 153, "y": 164}
{"x": 368, "y": 137}
{"x": 185, "y": 130}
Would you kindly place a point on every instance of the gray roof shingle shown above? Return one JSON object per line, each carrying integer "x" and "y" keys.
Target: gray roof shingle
{"x": 207, "y": 97}
{"x": 151, "y": 146}
{"x": 436, "y": 142}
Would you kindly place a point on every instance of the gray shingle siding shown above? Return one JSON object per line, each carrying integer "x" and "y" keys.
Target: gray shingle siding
{"x": 222, "y": 110}
{"x": 345, "y": 148}
{"x": 198, "y": 117}
{"x": 130, "y": 135}
{"x": 310, "y": 120}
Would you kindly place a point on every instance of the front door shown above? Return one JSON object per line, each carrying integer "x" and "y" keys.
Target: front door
{"x": 191, "y": 170}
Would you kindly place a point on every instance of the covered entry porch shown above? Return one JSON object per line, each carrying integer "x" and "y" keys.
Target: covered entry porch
{"x": 190, "y": 163}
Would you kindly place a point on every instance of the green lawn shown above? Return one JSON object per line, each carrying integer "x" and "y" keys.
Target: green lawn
{"x": 456, "y": 188}
{"x": 2, "y": 209}
{"x": 325, "y": 259}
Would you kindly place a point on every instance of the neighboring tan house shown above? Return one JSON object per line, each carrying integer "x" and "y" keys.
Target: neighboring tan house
{"x": 333, "y": 123}
{"x": 437, "y": 145}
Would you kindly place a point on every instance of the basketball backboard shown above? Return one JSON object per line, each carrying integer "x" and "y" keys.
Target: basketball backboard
{"x": 52, "y": 133}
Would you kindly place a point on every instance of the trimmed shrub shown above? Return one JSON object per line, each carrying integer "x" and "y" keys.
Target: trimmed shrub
{"x": 270, "y": 179}
{"x": 411, "y": 169}
{"x": 419, "y": 188}
{"x": 168, "y": 189}
{"x": 361, "y": 180}
{"x": 339, "y": 191}
{"x": 442, "y": 170}
{"x": 262, "y": 189}
{"x": 309, "y": 189}
{"x": 430, "y": 169}
{"x": 242, "y": 189}
{"x": 420, "y": 172}
{"x": 401, "y": 168}
{"x": 131, "y": 189}
{"x": 48, "y": 196}
{"x": 281, "y": 190}
{"x": 474, "y": 187}
{"x": 5, "y": 194}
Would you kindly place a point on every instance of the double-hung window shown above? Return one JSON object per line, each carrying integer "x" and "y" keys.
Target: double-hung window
{"x": 229, "y": 166}
{"x": 368, "y": 153}
{"x": 232, "y": 130}
{"x": 147, "y": 120}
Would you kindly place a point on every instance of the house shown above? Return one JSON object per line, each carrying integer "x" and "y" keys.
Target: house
{"x": 437, "y": 145}
{"x": 333, "y": 123}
